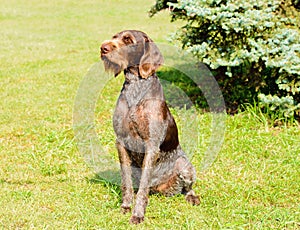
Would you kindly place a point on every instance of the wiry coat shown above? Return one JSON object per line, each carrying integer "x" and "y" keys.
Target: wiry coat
{"x": 147, "y": 135}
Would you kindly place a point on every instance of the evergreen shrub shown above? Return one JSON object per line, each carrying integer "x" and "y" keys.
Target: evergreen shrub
{"x": 252, "y": 47}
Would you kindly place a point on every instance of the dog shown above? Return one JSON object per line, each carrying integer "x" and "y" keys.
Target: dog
{"x": 146, "y": 133}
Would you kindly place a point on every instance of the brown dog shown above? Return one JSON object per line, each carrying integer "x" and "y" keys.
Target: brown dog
{"x": 147, "y": 136}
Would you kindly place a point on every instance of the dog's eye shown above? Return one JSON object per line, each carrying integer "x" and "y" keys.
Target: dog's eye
{"x": 127, "y": 39}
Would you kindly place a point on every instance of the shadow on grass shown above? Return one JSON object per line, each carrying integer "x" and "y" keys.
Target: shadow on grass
{"x": 181, "y": 91}
{"x": 110, "y": 180}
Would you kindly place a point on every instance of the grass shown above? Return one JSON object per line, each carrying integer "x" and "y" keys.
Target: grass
{"x": 46, "y": 47}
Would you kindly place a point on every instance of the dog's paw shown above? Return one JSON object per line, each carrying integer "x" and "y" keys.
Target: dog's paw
{"x": 136, "y": 219}
{"x": 125, "y": 209}
{"x": 192, "y": 198}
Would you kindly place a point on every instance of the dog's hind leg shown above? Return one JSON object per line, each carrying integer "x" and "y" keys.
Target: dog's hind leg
{"x": 181, "y": 181}
{"x": 187, "y": 174}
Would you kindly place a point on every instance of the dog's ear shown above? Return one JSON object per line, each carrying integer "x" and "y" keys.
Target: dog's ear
{"x": 151, "y": 59}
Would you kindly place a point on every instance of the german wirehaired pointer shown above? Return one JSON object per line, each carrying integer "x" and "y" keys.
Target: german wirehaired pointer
{"x": 147, "y": 137}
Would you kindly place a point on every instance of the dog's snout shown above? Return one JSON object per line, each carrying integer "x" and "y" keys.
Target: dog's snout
{"x": 106, "y": 48}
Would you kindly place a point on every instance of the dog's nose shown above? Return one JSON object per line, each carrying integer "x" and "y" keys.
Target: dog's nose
{"x": 106, "y": 48}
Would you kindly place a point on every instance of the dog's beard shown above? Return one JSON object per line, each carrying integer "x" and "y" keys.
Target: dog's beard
{"x": 113, "y": 66}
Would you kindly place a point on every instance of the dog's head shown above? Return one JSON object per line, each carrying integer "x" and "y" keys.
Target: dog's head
{"x": 132, "y": 50}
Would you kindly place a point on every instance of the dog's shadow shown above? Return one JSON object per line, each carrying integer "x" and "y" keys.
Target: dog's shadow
{"x": 109, "y": 179}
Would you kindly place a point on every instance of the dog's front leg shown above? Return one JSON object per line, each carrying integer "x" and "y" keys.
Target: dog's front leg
{"x": 127, "y": 189}
{"x": 143, "y": 192}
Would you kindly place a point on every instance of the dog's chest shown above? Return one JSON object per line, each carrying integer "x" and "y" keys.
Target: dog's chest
{"x": 136, "y": 91}
{"x": 124, "y": 120}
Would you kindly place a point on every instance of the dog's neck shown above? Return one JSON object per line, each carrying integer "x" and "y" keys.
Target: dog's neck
{"x": 135, "y": 87}
{"x": 133, "y": 76}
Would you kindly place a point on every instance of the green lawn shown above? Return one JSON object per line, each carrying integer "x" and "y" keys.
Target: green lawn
{"x": 46, "y": 48}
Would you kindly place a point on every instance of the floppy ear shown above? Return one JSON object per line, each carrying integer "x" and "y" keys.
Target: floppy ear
{"x": 151, "y": 59}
